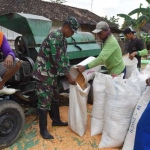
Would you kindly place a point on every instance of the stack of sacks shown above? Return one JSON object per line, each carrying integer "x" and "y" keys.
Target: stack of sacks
{"x": 122, "y": 96}
{"x": 113, "y": 107}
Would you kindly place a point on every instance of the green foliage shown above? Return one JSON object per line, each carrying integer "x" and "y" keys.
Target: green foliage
{"x": 145, "y": 37}
{"x": 142, "y": 11}
{"x": 126, "y": 17}
{"x": 129, "y": 21}
{"x": 136, "y": 11}
{"x": 124, "y": 25}
{"x": 148, "y": 1}
{"x": 113, "y": 20}
{"x": 134, "y": 22}
{"x": 143, "y": 16}
{"x": 106, "y": 17}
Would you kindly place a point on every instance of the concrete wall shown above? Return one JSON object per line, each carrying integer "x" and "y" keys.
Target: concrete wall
{"x": 116, "y": 35}
{"x": 10, "y": 35}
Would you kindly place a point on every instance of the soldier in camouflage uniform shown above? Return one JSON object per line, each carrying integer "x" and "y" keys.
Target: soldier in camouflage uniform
{"x": 52, "y": 61}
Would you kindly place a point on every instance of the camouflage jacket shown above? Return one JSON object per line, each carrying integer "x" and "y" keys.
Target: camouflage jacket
{"x": 52, "y": 59}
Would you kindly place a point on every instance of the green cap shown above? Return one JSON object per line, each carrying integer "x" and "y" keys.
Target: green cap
{"x": 73, "y": 23}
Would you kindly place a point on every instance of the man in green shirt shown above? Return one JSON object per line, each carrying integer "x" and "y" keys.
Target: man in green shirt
{"x": 110, "y": 56}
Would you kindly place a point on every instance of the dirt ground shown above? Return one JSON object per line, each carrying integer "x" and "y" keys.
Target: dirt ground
{"x": 64, "y": 138}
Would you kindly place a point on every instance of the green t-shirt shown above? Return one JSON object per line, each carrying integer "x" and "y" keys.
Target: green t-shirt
{"x": 110, "y": 56}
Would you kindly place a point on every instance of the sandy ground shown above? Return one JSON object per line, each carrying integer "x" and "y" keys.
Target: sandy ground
{"x": 64, "y": 138}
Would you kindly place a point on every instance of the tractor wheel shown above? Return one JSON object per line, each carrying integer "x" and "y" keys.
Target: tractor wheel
{"x": 12, "y": 119}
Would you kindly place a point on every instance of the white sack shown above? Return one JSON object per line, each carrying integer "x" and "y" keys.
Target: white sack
{"x": 77, "y": 115}
{"x": 99, "y": 88}
{"x": 140, "y": 78}
{"x": 139, "y": 109}
{"x": 146, "y": 70}
{"x": 122, "y": 96}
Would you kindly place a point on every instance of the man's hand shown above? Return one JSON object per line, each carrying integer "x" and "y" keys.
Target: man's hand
{"x": 8, "y": 62}
{"x": 147, "y": 82}
{"x": 114, "y": 75}
{"x": 81, "y": 68}
{"x": 70, "y": 79}
{"x": 132, "y": 55}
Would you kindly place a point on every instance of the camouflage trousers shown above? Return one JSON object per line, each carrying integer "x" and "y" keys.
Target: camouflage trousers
{"x": 47, "y": 94}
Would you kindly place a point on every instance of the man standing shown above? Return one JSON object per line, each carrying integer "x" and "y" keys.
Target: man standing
{"x": 135, "y": 47}
{"x": 9, "y": 66}
{"x": 52, "y": 61}
{"x": 111, "y": 54}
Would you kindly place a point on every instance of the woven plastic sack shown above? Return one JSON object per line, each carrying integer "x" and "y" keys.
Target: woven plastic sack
{"x": 122, "y": 96}
{"x": 77, "y": 115}
{"x": 97, "y": 114}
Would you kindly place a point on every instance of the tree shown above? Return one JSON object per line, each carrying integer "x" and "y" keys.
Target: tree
{"x": 140, "y": 10}
{"x": 124, "y": 25}
{"x": 142, "y": 18}
{"x": 135, "y": 23}
{"x": 148, "y": 1}
{"x": 113, "y": 20}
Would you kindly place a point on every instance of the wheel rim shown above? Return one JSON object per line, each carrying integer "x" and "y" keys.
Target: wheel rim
{"x": 7, "y": 123}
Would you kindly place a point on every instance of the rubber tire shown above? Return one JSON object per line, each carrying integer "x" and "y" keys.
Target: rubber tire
{"x": 90, "y": 95}
{"x": 13, "y": 115}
